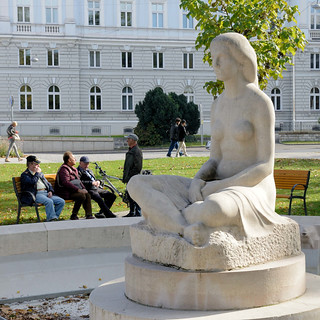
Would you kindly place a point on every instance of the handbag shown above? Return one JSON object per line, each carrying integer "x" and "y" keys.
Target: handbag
{"x": 77, "y": 183}
{"x": 16, "y": 136}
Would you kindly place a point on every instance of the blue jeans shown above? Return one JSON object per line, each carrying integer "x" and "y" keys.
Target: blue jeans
{"x": 53, "y": 205}
{"x": 173, "y": 144}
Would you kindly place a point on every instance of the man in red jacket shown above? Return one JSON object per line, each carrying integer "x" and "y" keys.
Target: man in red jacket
{"x": 69, "y": 186}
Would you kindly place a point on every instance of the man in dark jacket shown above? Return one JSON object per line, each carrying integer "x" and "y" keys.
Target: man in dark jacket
{"x": 69, "y": 186}
{"x": 104, "y": 198}
{"x": 132, "y": 166}
{"x": 174, "y": 136}
{"x": 36, "y": 188}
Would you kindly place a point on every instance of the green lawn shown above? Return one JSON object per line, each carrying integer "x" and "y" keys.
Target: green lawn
{"x": 173, "y": 166}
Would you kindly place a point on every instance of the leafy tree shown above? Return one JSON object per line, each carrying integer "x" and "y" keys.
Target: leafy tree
{"x": 156, "y": 113}
{"x": 148, "y": 136}
{"x": 188, "y": 111}
{"x": 156, "y": 108}
{"x": 269, "y": 24}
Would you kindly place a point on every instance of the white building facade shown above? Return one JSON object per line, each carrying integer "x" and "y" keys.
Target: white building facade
{"x": 78, "y": 67}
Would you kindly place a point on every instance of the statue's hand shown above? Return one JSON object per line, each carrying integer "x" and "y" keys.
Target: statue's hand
{"x": 211, "y": 187}
{"x": 195, "y": 190}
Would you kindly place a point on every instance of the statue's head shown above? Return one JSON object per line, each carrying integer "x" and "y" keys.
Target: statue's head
{"x": 240, "y": 49}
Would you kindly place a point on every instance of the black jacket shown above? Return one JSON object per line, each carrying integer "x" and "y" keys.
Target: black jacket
{"x": 29, "y": 186}
{"x": 182, "y": 132}
{"x": 132, "y": 164}
{"x": 86, "y": 178}
{"x": 174, "y": 132}
{"x": 11, "y": 130}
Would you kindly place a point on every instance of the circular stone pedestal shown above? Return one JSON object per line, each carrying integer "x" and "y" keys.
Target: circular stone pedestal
{"x": 108, "y": 302}
{"x": 261, "y": 285}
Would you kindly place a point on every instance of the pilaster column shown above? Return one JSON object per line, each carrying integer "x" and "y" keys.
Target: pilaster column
{"x": 4, "y": 12}
{"x": 69, "y": 12}
{"x": 70, "y": 23}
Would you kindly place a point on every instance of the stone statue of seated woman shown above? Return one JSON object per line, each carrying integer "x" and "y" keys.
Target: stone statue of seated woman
{"x": 235, "y": 187}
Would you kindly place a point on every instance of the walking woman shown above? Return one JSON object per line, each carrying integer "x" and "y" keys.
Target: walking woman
{"x": 13, "y": 136}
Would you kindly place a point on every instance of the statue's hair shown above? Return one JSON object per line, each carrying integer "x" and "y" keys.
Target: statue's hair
{"x": 241, "y": 50}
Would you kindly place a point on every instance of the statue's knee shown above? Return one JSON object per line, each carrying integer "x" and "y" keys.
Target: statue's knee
{"x": 133, "y": 184}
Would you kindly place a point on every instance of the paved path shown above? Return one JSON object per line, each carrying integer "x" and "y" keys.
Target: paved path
{"x": 282, "y": 151}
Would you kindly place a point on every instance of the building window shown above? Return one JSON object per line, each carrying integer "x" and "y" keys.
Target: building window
{"x": 94, "y": 13}
{"x": 187, "y": 22}
{"x": 158, "y": 60}
{"x": 126, "y": 14}
{"x": 54, "y": 98}
{"x": 276, "y": 98}
{"x": 24, "y": 57}
{"x": 51, "y": 11}
{"x": 25, "y": 98}
{"x": 53, "y": 58}
{"x": 314, "y": 99}
{"x": 315, "y": 18}
{"x": 23, "y": 14}
{"x": 126, "y": 59}
{"x": 94, "y": 59}
{"x": 188, "y": 92}
{"x": 314, "y": 61}
{"x": 96, "y": 130}
{"x": 127, "y": 131}
{"x": 157, "y": 15}
{"x": 127, "y": 99}
{"x": 188, "y": 60}
{"x": 95, "y": 98}
{"x": 54, "y": 131}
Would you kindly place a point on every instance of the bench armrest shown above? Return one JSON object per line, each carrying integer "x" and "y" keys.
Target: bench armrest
{"x": 298, "y": 184}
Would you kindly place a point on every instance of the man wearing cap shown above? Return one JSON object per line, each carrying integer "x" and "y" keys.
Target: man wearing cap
{"x": 132, "y": 166}
{"x": 104, "y": 198}
{"x": 36, "y": 188}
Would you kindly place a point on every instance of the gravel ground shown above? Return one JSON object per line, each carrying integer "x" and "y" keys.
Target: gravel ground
{"x": 63, "y": 308}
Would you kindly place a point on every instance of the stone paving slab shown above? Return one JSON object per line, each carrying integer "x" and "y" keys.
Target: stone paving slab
{"x": 58, "y": 273}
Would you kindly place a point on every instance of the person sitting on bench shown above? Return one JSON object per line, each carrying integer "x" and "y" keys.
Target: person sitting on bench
{"x": 36, "y": 188}
{"x": 104, "y": 198}
{"x": 69, "y": 187}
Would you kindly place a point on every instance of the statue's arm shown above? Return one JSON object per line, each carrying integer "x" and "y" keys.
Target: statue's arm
{"x": 206, "y": 173}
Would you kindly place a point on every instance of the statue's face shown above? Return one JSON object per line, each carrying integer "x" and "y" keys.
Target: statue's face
{"x": 224, "y": 65}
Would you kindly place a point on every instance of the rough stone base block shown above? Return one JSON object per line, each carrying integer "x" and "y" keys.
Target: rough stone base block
{"x": 255, "y": 286}
{"x": 225, "y": 250}
{"x": 109, "y": 302}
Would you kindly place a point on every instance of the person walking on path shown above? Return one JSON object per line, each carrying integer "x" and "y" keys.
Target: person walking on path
{"x": 104, "y": 198}
{"x": 182, "y": 137}
{"x": 69, "y": 186}
{"x": 132, "y": 167}
{"x": 13, "y": 136}
{"x": 36, "y": 188}
{"x": 174, "y": 136}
